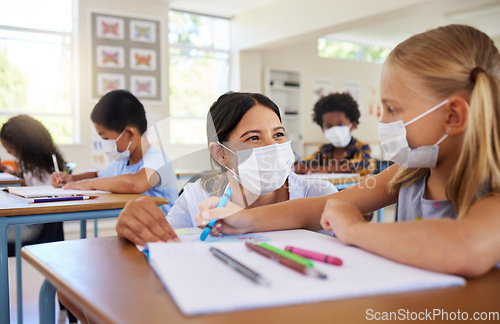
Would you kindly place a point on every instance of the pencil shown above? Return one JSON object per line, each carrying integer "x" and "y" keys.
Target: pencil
{"x": 244, "y": 270}
{"x": 305, "y": 270}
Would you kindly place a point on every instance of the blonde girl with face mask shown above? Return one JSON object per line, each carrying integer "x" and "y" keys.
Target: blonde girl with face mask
{"x": 441, "y": 124}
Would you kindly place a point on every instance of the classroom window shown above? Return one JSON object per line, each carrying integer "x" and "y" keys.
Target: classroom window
{"x": 36, "y": 67}
{"x": 199, "y": 72}
{"x": 329, "y": 48}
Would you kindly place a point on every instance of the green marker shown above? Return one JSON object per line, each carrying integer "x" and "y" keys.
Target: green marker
{"x": 290, "y": 255}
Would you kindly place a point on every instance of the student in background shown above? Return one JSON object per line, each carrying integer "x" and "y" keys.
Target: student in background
{"x": 137, "y": 167}
{"x": 441, "y": 125}
{"x": 337, "y": 114}
{"x": 30, "y": 142}
{"x": 251, "y": 156}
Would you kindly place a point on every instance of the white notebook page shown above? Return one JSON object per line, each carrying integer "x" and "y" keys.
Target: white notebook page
{"x": 201, "y": 284}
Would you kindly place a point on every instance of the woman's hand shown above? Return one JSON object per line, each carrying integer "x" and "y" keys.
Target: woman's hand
{"x": 228, "y": 222}
{"x": 341, "y": 217}
{"x": 141, "y": 221}
{"x": 62, "y": 179}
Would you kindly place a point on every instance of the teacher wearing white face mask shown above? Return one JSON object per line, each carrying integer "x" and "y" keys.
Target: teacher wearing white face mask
{"x": 337, "y": 114}
{"x": 250, "y": 155}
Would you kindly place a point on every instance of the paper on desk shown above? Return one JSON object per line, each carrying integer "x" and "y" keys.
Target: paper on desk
{"x": 49, "y": 191}
{"x": 201, "y": 284}
{"x": 7, "y": 177}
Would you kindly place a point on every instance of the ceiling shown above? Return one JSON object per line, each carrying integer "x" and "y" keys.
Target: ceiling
{"x": 387, "y": 29}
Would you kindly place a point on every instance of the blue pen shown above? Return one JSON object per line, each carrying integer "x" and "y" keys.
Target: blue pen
{"x": 222, "y": 203}
{"x": 298, "y": 158}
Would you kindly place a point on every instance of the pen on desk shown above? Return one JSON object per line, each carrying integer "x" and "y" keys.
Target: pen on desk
{"x": 56, "y": 166}
{"x": 305, "y": 270}
{"x": 244, "y": 270}
{"x": 287, "y": 254}
{"x": 314, "y": 255}
{"x": 52, "y": 199}
{"x": 222, "y": 203}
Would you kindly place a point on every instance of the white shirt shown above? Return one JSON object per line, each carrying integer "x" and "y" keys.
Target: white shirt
{"x": 183, "y": 213}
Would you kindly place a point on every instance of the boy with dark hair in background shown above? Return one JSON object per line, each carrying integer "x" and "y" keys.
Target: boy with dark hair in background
{"x": 137, "y": 167}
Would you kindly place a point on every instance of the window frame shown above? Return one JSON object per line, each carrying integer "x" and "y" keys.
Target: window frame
{"x": 73, "y": 87}
{"x": 184, "y": 47}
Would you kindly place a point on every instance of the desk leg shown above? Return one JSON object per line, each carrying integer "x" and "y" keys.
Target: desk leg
{"x": 47, "y": 304}
{"x": 19, "y": 276}
{"x": 4, "y": 274}
{"x": 83, "y": 228}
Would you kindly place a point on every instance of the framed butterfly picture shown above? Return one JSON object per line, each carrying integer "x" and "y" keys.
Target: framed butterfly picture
{"x": 142, "y": 31}
{"x": 110, "y": 27}
{"x": 126, "y": 53}
{"x": 142, "y": 59}
{"x": 143, "y": 86}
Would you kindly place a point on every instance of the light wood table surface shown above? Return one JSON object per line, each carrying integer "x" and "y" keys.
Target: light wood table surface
{"x": 15, "y": 210}
{"x": 113, "y": 282}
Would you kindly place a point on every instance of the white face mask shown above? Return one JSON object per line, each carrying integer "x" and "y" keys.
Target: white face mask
{"x": 339, "y": 136}
{"x": 109, "y": 147}
{"x": 263, "y": 169}
{"x": 395, "y": 145}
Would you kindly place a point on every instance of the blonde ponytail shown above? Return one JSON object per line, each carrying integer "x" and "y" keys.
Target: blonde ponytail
{"x": 448, "y": 60}
{"x": 478, "y": 166}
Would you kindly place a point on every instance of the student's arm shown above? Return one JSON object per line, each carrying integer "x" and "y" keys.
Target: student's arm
{"x": 141, "y": 221}
{"x": 367, "y": 196}
{"x": 66, "y": 178}
{"x": 469, "y": 246}
{"x": 136, "y": 183}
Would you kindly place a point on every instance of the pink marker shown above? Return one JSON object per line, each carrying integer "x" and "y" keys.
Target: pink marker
{"x": 314, "y": 255}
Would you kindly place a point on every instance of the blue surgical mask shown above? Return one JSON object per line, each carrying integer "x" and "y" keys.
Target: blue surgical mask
{"x": 395, "y": 144}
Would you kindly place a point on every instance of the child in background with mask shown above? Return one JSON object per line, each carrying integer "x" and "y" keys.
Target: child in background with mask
{"x": 441, "y": 125}
{"x": 337, "y": 114}
{"x": 137, "y": 166}
{"x": 253, "y": 158}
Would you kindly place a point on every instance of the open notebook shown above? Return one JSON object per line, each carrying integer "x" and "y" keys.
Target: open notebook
{"x": 49, "y": 191}
{"x": 201, "y": 284}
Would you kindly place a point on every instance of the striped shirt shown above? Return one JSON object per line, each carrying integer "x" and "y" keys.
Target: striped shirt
{"x": 357, "y": 155}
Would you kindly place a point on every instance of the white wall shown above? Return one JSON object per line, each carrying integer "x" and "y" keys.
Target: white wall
{"x": 304, "y": 58}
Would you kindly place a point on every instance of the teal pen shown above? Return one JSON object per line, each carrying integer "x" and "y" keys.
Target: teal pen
{"x": 298, "y": 158}
{"x": 222, "y": 203}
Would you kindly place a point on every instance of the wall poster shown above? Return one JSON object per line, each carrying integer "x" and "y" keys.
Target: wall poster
{"x": 126, "y": 54}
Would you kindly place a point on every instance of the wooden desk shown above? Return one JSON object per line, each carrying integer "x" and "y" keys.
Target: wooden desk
{"x": 14, "y": 182}
{"x": 15, "y": 210}
{"x": 113, "y": 282}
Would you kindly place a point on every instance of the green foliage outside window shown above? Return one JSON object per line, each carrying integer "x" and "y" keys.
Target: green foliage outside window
{"x": 328, "y": 48}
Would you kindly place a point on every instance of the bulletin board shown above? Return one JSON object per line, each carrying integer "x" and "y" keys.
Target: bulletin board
{"x": 126, "y": 54}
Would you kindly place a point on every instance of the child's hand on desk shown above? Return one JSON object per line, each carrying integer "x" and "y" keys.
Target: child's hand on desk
{"x": 228, "y": 225}
{"x": 141, "y": 221}
{"x": 80, "y": 185}
{"x": 61, "y": 180}
{"x": 341, "y": 217}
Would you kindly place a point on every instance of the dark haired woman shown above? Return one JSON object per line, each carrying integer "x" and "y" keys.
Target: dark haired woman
{"x": 248, "y": 145}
